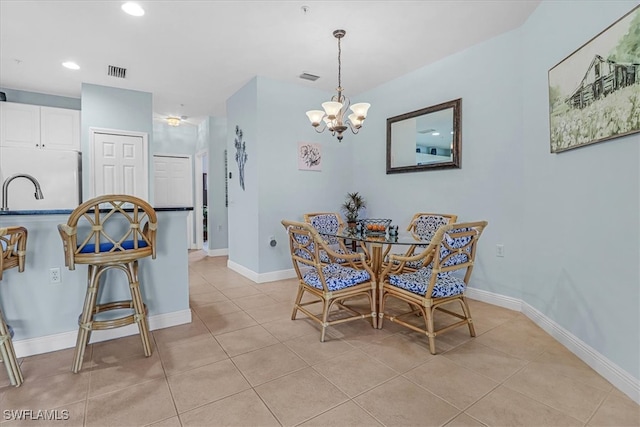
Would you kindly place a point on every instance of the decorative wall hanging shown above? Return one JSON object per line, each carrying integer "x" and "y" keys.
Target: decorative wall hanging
{"x": 309, "y": 156}
{"x": 241, "y": 154}
{"x": 594, "y": 93}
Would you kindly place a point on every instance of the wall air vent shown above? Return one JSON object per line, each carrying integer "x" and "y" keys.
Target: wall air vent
{"x": 117, "y": 72}
{"x": 307, "y": 76}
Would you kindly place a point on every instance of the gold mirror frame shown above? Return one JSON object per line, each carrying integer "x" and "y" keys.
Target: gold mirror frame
{"x": 407, "y": 135}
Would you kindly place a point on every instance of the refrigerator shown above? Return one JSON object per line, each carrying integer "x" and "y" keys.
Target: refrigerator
{"x": 58, "y": 172}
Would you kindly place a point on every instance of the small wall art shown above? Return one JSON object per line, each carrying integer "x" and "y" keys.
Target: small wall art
{"x": 241, "y": 154}
{"x": 594, "y": 93}
{"x": 309, "y": 156}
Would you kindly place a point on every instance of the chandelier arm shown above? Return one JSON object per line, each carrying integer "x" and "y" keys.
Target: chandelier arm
{"x": 354, "y": 130}
{"x": 321, "y": 127}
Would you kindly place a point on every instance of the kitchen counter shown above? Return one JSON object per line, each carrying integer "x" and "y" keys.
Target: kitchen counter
{"x": 44, "y": 315}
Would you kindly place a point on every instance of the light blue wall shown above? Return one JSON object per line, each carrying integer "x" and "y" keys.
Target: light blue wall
{"x": 113, "y": 108}
{"x": 243, "y": 204}
{"x": 174, "y": 140}
{"x": 271, "y": 115}
{"x": 35, "y": 98}
{"x": 218, "y": 220}
{"x": 581, "y": 207}
{"x": 569, "y": 222}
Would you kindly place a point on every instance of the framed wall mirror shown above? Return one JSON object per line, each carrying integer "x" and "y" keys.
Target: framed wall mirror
{"x": 425, "y": 139}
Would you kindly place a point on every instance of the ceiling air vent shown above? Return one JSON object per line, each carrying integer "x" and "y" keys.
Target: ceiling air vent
{"x": 307, "y": 76}
{"x": 117, "y": 72}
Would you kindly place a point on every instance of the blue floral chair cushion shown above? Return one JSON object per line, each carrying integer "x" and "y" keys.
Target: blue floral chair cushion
{"x": 455, "y": 243}
{"x": 418, "y": 281}
{"x": 324, "y": 257}
{"x": 326, "y": 224}
{"x": 426, "y": 226}
{"x": 337, "y": 277}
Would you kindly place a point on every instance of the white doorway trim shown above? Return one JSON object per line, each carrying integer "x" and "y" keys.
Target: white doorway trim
{"x": 199, "y": 202}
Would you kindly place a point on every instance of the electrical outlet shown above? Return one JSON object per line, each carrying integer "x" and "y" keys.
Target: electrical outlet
{"x": 54, "y": 275}
{"x": 500, "y": 250}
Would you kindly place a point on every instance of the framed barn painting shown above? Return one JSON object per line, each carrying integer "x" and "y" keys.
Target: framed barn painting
{"x": 594, "y": 93}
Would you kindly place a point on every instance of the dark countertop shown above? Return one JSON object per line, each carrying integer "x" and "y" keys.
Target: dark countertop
{"x": 68, "y": 211}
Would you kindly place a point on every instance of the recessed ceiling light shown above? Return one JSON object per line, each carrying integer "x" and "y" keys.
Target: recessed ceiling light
{"x": 71, "y": 65}
{"x": 133, "y": 9}
{"x": 435, "y": 133}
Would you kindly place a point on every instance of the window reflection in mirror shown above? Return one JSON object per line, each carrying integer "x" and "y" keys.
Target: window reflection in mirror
{"x": 425, "y": 139}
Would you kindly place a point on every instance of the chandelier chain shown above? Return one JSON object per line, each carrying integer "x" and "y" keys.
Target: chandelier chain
{"x": 339, "y": 69}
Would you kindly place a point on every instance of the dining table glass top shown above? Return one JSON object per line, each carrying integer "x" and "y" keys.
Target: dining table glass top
{"x": 402, "y": 238}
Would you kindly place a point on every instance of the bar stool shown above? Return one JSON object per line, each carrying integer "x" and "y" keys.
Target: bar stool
{"x": 110, "y": 232}
{"x": 13, "y": 243}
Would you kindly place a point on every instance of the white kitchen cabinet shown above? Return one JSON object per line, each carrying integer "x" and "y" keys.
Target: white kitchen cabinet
{"x": 33, "y": 126}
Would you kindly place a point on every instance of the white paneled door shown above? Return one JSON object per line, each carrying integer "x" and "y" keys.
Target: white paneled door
{"x": 120, "y": 165}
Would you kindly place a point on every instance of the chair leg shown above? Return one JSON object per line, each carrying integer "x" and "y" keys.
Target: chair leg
{"x": 297, "y": 303}
{"x": 428, "y": 318}
{"x": 139, "y": 308}
{"x": 374, "y": 308}
{"x": 381, "y": 300}
{"x": 86, "y": 318}
{"x": 467, "y": 314}
{"x": 325, "y": 315}
{"x": 8, "y": 355}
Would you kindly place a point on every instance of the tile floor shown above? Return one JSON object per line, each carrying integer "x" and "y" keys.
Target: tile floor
{"x": 243, "y": 362}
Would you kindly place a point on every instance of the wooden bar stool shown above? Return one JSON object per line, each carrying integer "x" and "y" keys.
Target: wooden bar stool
{"x": 110, "y": 232}
{"x": 13, "y": 243}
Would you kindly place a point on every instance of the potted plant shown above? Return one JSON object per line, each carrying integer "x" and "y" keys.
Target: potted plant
{"x": 351, "y": 207}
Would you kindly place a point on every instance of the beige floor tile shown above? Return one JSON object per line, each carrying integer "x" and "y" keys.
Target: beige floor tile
{"x": 118, "y": 349}
{"x": 457, "y": 385}
{"x": 616, "y": 411}
{"x": 312, "y": 351}
{"x": 253, "y": 301}
{"x": 288, "y": 296}
{"x": 505, "y": 407}
{"x": 406, "y": 404}
{"x": 245, "y": 340}
{"x": 347, "y": 414}
{"x": 240, "y": 292}
{"x": 464, "y": 420}
{"x": 169, "y": 422}
{"x": 229, "y": 322}
{"x": 201, "y": 288}
{"x": 53, "y": 363}
{"x": 355, "y": 372}
{"x": 242, "y": 409}
{"x": 206, "y": 384}
{"x": 178, "y": 335}
{"x": 359, "y": 332}
{"x": 271, "y": 312}
{"x": 268, "y": 363}
{"x": 216, "y": 309}
{"x": 48, "y": 392}
{"x": 563, "y": 393}
{"x": 520, "y": 338}
{"x": 66, "y": 416}
{"x": 108, "y": 377}
{"x": 134, "y": 406}
{"x": 286, "y": 329}
{"x": 300, "y": 396}
{"x": 399, "y": 352}
{"x": 485, "y": 361}
{"x": 205, "y": 298}
{"x": 190, "y": 355}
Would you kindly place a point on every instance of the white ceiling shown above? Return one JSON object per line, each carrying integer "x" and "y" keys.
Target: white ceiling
{"x": 198, "y": 53}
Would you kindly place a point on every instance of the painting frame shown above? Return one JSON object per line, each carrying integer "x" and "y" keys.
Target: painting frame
{"x": 594, "y": 93}
{"x": 309, "y": 156}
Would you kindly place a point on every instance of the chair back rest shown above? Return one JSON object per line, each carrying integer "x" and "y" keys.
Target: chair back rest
{"x": 425, "y": 225}
{"x": 13, "y": 248}
{"x": 302, "y": 238}
{"x": 455, "y": 247}
{"x": 325, "y": 222}
{"x": 109, "y": 229}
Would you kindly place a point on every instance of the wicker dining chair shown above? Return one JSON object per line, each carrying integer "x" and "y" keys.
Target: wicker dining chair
{"x": 332, "y": 283}
{"x": 109, "y": 232}
{"x": 423, "y": 225}
{"x": 329, "y": 222}
{"x": 452, "y": 251}
{"x": 13, "y": 250}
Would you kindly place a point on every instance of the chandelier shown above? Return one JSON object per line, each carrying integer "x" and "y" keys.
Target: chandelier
{"x": 333, "y": 116}
{"x": 173, "y": 121}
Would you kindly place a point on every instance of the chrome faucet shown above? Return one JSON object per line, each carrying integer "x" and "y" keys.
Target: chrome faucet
{"x": 5, "y": 188}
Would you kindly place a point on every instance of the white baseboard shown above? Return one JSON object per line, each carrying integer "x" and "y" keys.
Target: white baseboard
{"x": 218, "y": 252}
{"x": 617, "y": 376}
{"x": 48, "y": 343}
{"x": 271, "y": 276}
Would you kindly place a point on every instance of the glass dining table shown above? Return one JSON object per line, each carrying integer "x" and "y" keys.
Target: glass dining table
{"x": 376, "y": 241}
